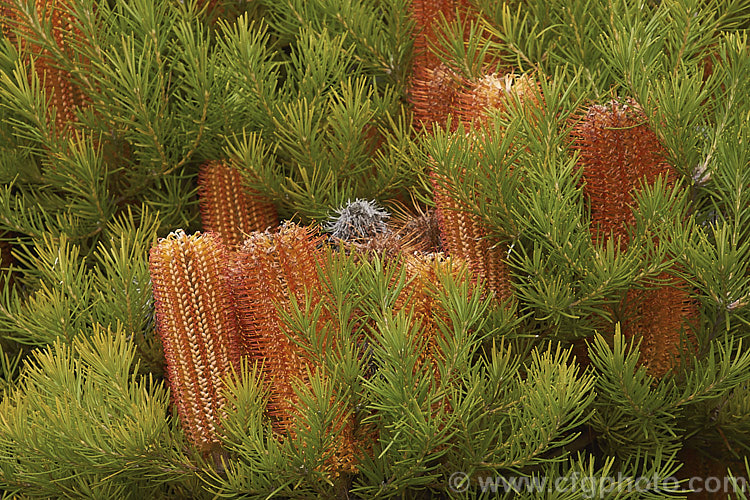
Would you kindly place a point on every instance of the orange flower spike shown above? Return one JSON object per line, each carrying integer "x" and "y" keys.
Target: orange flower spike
{"x": 269, "y": 269}
{"x": 617, "y": 151}
{"x": 62, "y": 94}
{"x": 664, "y": 319}
{"x": 418, "y": 298}
{"x": 434, "y": 88}
{"x": 228, "y": 208}
{"x": 197, "y": 327}
{"x": 434, "y": 95}
{"x": 426, "y": 14}
{"x": 464, "y": 236}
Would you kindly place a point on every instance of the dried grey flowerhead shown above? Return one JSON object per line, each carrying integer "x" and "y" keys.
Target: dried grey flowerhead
{"x": 359, "y": 219}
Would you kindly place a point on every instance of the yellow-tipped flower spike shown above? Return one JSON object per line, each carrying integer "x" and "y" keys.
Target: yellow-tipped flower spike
{"x": 197, "y": 327}
{"x": 228, "y": 208}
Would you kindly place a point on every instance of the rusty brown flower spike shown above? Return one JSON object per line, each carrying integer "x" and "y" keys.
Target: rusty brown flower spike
{"x": 435, "y": 88}
{"x": 419, "y": 298}
{"x": 463, "y": 234}
{"x": 617, "y": 152}
{"x": 465, "y": 237}
{"x": 197, "y": 327}
{"x": 435, "y": 94}
{"x": 664, "y": 319}
{"x": 61, "y": 91}
{"x": 228, "y": 208}
{"x": 426, "y": 15}
{"x": 266, "y": 272}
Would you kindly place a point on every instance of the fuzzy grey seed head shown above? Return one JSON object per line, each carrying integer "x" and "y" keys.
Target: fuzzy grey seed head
{"x": 358, "y": 219}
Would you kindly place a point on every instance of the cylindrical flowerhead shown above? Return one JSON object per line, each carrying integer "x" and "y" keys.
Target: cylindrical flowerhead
{"x": 267, "y": 271}
{"x": 419, "y": 299}
{"x": 228, "y": 208}
{"x": 663, "y": 319}
{"x": 434, "y": 95}
{"x": 426, "y": 15}
{"x": 492, "y": 92}
{"x": 618, "y": 151}
{"x": 61, "y": 91}
{"x": 197, "y": 327}
{"x": 464, "y": 237}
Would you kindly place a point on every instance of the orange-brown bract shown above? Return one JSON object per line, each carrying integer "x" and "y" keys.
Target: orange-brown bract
{"x": 61, "y": 91}
{"x": 197, "y": 327}
{"x": 619, "y": 152}
{"x": 228, "y": 208}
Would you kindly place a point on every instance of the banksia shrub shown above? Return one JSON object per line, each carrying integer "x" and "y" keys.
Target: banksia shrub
{"x": 197, "y": 327}
{"x": 618, "y": 154}
{"x": 370, "y": 366}
{"x": 228, "y": 208}
{"x": 61, "y": 91}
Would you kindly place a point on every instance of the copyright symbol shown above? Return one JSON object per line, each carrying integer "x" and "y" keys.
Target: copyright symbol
{"x": 458, "y": 482}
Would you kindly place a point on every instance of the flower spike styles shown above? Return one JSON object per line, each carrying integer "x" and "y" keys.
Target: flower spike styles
{"x": 228, "y": 208}
{"x": 62, "y": 93}
{"x": 617, "y": 151}
{"x": 664, "y": 319}
{"x": 197, "y": 327}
